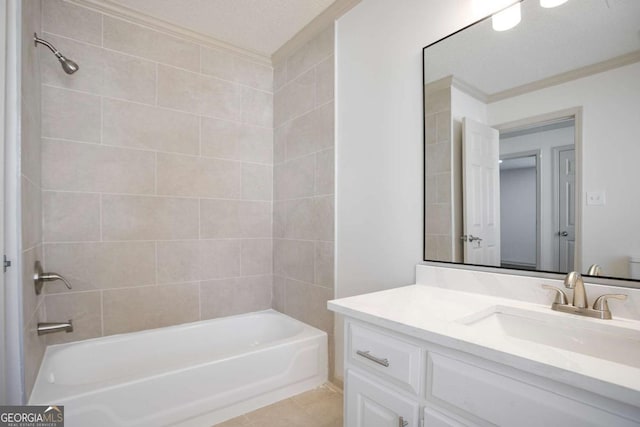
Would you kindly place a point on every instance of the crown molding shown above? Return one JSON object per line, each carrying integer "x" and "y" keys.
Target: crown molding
{"x": 578, "y": 73}
{"x": 111, "y": 8}
{"x": 313, "y": 28}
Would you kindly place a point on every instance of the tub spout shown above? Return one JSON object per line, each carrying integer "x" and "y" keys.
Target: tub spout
{"x": 51, "y": 327}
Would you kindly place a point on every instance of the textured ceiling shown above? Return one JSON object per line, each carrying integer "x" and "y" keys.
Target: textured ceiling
{"x": 547, "y": 42}
{"x": 261, "y": 26}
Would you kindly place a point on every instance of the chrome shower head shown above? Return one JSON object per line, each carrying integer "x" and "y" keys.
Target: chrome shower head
{"x": 68, "y": 65}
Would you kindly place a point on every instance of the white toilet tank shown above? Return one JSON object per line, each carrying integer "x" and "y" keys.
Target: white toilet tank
{"x": 634, "y": 267}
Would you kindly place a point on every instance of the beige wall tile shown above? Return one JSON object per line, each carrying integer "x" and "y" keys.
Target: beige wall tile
{"x": 139, "y": 126}
{"x": 70, "y": 115}
{"x": 90, "y": 59}
{"x": 312, "y": 53}
{"x": 143, "y": 42}
{"x": 295, "y": 178}
{"x": 280, "y": 143}
{"x": 311, "y": 132}
{"x": 437, "y": 101}
{"x": 198, "y": 177}
{"x": 219, "y": 259}
{"x": 31, "y": 214}
{"x": 178, "y": 261}
{"x": 30, "y": 300}
{"x": 101, "y": 265}
{"x": 252, "y": 74}
{"x": 256, "y": 144}
{"x": 219, "y": 298}
{"x": 70, "y": 217}
{"x": 135, "y": 309}
{"x": 220, "y": 138}
{"x": 257, "y": 107}
{"x": 307, "y": 219}
{"x": 279, "y": 286}
{"x": 88, "y": 167}
{"x": 301, "y": 94}
{"x": 30, "y": 140}
{"x": 33, "y": 347}
{"x": 325, "y": 172}
{"x": 62, "y": 18}
{"x": 431, "y": 130}
{"x": 235, "y": 219}
{"x": 220, "y": 98}
{"x": 228, "y": 66}
{"x": 325, "y": 81}
{"x": 179, "y": 89}
{"x": 257, "y": 257}
{"x": 130, "y": 78}
{"x": 439, "y": 219}
{"x": 209, "y": 96}
{"x": 280, "y": 103}
{"x": 257, "y": 181}
{"x": 148, "y": 218}
{"x": 324, "y": 264}
{"x": 438, "y": 157}
{"x": 294, "y": 259}
{"x": 84, "y": 309}
{"x": 308, "y": 303}
{"x": 279, "y": 75}
{"x": 230, "y": 140}
{"x": 324, "y": 214}
{"x": 218, "y": 63}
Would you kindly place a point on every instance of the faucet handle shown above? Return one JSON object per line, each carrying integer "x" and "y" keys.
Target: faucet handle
{"x": 561, "y": 297}
{"x": 601, "y": 302}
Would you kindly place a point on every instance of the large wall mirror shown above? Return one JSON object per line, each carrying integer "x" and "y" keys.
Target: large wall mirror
{"x": 532, "y": 142}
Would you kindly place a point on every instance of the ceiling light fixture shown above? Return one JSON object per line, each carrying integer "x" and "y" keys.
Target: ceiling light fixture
{"x": 507, "y": 19}
{"x": 551, "y": 3}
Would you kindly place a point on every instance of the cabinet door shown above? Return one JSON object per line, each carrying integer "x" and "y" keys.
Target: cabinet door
{"x": 371, "y": 403}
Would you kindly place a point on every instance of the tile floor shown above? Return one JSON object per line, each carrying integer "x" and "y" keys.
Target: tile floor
{"x": 321, "y": 407}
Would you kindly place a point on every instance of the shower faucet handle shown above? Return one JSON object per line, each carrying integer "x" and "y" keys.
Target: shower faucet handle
{"x": 39, "y": 277}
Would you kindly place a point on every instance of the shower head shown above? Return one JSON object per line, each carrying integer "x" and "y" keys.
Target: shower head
{"x": 68, "y": 65}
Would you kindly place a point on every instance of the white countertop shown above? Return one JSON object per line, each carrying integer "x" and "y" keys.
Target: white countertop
{"x": 433, "y": 314}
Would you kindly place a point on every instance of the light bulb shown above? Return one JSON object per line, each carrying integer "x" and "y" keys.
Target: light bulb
{"x": 551, "y": 3}
{"x": 507, "y": 18}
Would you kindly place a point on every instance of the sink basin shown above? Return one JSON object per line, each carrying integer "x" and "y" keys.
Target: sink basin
{"x": 596, "y": 338}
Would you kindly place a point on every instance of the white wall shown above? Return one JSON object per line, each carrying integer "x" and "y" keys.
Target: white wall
{"x": 379, "y": 137}
{"x": 610, "y": 157}
{"x": 518, "y": 215}
{"x": 379, "y": 189}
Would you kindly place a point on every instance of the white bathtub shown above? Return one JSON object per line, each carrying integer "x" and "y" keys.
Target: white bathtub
{"x": 196, "y": 374}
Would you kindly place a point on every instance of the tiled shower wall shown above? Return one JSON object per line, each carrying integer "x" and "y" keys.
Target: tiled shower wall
{"x": 157, "y": 175}
{"x": 438, "y": 173}
{"x": 30, "y": 189}
{"x": 303, "y": 227}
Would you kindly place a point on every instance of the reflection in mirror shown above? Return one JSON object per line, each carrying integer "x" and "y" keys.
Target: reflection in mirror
{"x": 532, "y": 141}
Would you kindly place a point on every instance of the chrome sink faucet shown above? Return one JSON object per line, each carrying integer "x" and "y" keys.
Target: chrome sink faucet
{"x": 580, "y": 306}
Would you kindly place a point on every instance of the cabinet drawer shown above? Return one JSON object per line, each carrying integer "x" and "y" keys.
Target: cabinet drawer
{"x": 490, "y": 398}
{"x": 372, "y": 403}
{"x": 389, "y": 355}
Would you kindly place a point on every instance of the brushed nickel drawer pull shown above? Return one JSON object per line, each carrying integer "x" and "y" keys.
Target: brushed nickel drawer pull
{"x": 366, "y": 355}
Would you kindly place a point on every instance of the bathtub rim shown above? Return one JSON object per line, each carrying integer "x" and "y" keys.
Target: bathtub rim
{"x": 307, "y": 332}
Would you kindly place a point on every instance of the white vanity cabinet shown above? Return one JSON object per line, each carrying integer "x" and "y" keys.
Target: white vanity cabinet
{"x": 394, "y": 380}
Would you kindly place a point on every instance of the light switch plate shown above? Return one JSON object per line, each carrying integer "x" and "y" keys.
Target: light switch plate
{"x": 596, "y": 198}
